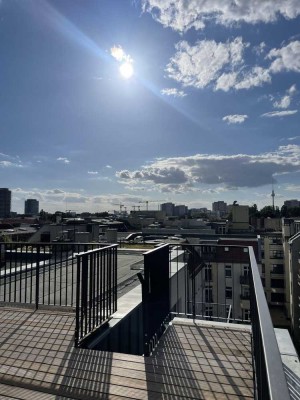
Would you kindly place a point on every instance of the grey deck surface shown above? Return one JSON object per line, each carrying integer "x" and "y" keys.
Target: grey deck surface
{"x": 38, "y": 361}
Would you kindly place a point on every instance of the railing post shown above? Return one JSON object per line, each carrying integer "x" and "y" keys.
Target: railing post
{"x": 37, "y": 278}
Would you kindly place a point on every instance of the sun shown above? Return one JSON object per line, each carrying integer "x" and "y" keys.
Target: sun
{"x": 126, "y": 70}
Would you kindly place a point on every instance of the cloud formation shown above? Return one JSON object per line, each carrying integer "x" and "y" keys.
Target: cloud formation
{"x": 286, "y": 100}
{"x": 284, "y": 113}
{"x": 202, "y": 63}
{"x": 173, "y": 92}
{"x": 182, "y": 15}
{"x": 184, "y": 174}
{"x": 222, "y": 65}
{"x": 235, "y": 118}
{"x": 63, "y": 160}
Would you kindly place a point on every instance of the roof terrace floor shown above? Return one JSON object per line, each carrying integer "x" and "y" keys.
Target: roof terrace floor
{"x": 38, "y": 361}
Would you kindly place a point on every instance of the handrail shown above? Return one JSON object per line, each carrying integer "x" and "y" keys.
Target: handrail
{"x": 277, "y": 385}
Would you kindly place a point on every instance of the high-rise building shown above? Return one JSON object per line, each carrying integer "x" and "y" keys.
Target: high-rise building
{"x": 5, "y": 202}
{"x": 180, "y": 210}
{"x": 220, "y": 207}
{"x": 31, "y": 207}
{"x": 168, "y": 208}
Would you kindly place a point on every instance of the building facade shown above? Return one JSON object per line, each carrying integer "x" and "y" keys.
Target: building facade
{"x": 168, "y": 208}
{"x": 31, "y": 207}
{"x": 5, "y": 203}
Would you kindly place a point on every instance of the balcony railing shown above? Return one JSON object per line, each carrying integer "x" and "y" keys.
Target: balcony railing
{"x": 40, "y": 273}
{"x": 187, "y": 297}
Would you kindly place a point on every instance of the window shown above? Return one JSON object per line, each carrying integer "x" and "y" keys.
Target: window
{"x": 245, "y": 249}
{"x": 207, "y": 273}
{"x": 209, "y": 311}
{"x": 208, "y": 295}
{"x": 277, "y": 283}
{"x": 276, "y": 254}
{"x": 277, "y": 297}
{"x": 228, "y": 271}
{"x": 246, "y": 315}
{"x": 246, "y": 270}
{"x": 228, "y": 292}
{"x": 263, "y": 268}
{"x": 226, "y": 248}
{"x": 277, "y": 269}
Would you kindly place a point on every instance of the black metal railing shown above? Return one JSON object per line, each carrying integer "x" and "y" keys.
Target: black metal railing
{"x": 269, "y": 373}
{"x": 155, "y": 296}
{"x": 40, "y": 273}
{"x": 96, "y": 290}
{"x": 191, "y": 296}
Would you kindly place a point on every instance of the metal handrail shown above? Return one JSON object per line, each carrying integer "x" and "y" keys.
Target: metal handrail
{"x": 263, "y": 331}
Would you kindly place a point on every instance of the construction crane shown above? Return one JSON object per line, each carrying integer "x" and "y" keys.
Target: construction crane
{"x": 118, "y": 204}
{"x": 150, "y": 201}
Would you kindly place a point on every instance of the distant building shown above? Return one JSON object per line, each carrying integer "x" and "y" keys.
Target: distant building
{"x": 180, "y": 211}
{"x": 240, "y": 218}
{"x": 168, "y": 208}
{"x": 292, "y": 203}
{"x": 5, "y": 203}
{"x": 220, "y": 207}
{"x": 31, "y": 207}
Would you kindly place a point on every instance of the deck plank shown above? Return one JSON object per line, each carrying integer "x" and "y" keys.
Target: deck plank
{"x": 37, "y": 353}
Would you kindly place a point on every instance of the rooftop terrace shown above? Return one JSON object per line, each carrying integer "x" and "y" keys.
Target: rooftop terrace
{"x": 192, "y": 361}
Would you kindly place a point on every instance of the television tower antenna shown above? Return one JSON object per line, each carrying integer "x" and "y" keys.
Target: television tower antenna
{"x": 273, "y": 195}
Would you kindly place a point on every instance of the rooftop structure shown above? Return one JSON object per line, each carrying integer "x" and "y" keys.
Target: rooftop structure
{"x": 46, "y": 350}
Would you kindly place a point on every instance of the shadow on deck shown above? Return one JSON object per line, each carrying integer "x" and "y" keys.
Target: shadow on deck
{"x": 195, "y": 361}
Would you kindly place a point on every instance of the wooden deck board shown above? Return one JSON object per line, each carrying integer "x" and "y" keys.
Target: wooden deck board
{"x": 37, "y": 353}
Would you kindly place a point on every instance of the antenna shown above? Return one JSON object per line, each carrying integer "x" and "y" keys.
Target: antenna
{"x": 273, "y": 194}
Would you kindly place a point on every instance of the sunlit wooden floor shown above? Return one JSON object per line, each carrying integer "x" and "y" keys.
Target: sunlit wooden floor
{"x": 38, "y": 361}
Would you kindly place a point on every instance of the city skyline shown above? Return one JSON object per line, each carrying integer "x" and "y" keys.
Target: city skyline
{"x": 126, "y": 101}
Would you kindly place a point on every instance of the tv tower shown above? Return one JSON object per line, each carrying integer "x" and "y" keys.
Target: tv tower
{"x": 273, "y": 194}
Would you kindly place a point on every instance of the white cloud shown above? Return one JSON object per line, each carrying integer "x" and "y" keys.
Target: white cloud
{"x": 235, "y": 118}
{"x": 92, "y": 172}
{"x": 203, "y": 63}
{"x": 185, "y": 174}
{"x": 119, "y": 54}
{"x": 182, "y": 15}
{"x": 63, "y": 160}
{"x": 108, "y": 166}
{"x": 279, "y": 113}
{"x": 292, "y": 188}
{"x": 222, "y": 65}
{"x": 173, "y": 92}
{"x": 287, "y": 58}
{"x": 286, "y": 100}
{"x": 293, "y": 138}
{"x": 257, "y": 76}
{"x": 9, "y": 164}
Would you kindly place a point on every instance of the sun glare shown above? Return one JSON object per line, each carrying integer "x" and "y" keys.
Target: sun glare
{"x": 126, "y": 70}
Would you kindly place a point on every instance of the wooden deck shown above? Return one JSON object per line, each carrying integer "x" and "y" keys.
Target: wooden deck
{"x": 38, "y": 361}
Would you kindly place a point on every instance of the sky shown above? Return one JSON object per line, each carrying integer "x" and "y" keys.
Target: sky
{"x": 109, "y": 102}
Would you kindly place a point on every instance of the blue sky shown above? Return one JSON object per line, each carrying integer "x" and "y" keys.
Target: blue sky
{"x": 210, "y": 112}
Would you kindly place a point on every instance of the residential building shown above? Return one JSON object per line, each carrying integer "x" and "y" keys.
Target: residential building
{"x": 273, "y": 271}
{"x": 31, "y": 207}
{"x": 220, "y": 207}
{"x": 5, "y": 203}
{"x": 180, "y": 210}
{"x": 240, "y": 218}
{"x": 292, "y": 203}
{"x": 168, "y": 208}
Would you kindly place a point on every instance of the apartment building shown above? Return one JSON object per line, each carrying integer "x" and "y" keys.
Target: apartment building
{"x": 31, "y": 207}
{"x": 5, "y": 203}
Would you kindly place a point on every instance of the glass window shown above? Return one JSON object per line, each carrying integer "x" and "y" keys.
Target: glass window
{"x": 228, "y": 292}
{"x": 228, "y": 271}
{"x": 208, "y": 295}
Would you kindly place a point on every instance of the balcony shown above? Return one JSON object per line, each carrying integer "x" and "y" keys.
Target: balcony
{"x": 44, "y": 345}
